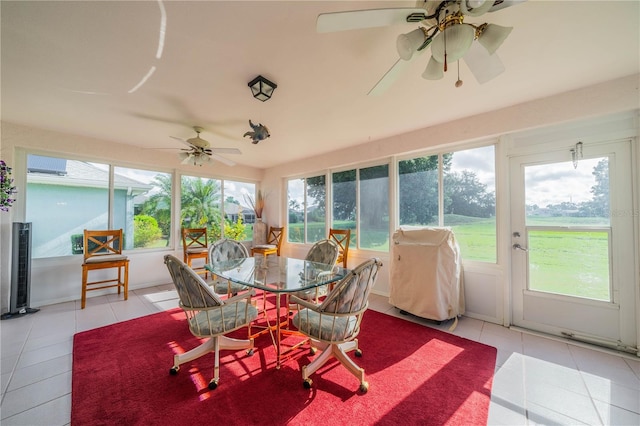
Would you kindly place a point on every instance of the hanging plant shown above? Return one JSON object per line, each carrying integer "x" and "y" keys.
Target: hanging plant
{"x": 6, "y": 187}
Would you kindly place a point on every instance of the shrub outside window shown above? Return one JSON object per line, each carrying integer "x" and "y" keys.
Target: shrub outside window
{"x": 239, "y": 216}
{"x": 144, "y": 213}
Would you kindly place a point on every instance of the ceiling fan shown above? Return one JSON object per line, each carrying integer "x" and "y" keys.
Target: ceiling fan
{"x": 442, "y": 28}
{"x": 200, "y": 151}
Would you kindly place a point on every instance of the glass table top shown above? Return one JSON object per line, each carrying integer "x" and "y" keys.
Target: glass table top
{"x": 277, "y": 274}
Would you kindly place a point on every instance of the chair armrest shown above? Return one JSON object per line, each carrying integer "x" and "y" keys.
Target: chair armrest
{"x": 310, "y": 305}
{"x": 239, "y": 297}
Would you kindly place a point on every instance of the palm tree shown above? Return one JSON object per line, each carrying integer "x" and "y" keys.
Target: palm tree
{"x": 159, "y": 204}
{"x": 200, "y": 204}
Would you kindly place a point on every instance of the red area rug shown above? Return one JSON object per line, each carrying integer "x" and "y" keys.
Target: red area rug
{"x": 416, "y": 375}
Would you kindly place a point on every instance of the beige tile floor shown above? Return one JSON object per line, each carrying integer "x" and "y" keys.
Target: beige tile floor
{"x": 538, "y": 381}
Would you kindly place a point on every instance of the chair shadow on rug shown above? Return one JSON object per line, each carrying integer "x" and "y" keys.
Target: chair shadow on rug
{"x": 208, "y": 316}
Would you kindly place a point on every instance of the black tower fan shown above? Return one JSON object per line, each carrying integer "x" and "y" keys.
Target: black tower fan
{"x": 20, "y": 271}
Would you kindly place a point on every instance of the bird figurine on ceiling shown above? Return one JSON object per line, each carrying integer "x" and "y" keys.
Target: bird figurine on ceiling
{"x": 259, "y": 133}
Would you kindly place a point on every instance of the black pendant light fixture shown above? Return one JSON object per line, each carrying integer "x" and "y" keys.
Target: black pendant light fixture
{"x": 261, "y": 88}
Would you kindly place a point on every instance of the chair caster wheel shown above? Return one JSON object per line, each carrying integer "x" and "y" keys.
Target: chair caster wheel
{"x": 313, "y": 350}
{"x": 213, "y": 384}
{"x": 364, "y": 387}
{"x": 307, "y": 383}
{"x": 358, "y": 353}
{"x": 174, "y": 370}
{"x": 250, "y": 352}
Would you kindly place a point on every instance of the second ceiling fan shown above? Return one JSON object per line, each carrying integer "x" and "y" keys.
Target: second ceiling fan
{"x": 200, "y": 151}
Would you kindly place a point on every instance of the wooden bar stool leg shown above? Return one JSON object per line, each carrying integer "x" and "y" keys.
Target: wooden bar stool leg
{"x": 84, "y": 289}
{"x": 126, "y": 281}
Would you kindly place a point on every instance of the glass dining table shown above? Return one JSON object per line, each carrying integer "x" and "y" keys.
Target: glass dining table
{"x": 280, "y": 276}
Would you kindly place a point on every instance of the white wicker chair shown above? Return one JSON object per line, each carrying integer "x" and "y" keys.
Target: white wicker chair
{"x": 226, "y": 249}
{"x": 326, "y": 252}
{"x": 334, "y": 325}
{"x": 208, "y": 316}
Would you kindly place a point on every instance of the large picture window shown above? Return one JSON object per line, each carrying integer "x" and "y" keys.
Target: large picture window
{"x": 454, "y": 189}
{"x": 470, "y": 202}
{"x": 239, "y": 216}
{"x": 373, "y": 214}
{"x": 142, "y": 207}
{"x": 359, "y": 202}
{"x": 306, "y": 209}
{"x": 64, "y": 197}
{"x": 418, "y": 188}
{"x": 202, "y": 206}
{"x": 344, "y": 188}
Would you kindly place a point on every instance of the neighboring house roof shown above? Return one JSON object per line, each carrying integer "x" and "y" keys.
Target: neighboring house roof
{"x": 231, "y": 208}
{"x": 54, "y": 171}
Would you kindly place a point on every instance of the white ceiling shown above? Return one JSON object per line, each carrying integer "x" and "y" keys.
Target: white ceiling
{"x": 69, "y": 66}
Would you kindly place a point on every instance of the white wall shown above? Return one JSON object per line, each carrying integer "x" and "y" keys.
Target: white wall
{"x": 487, "y": 286}
{"x": 612, "y": 106}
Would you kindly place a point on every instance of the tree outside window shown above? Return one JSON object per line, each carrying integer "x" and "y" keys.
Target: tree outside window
{"x": 306, "y": 209}
{"x": 469, "y": 203}
{"x": 374, "y": 208}
{"x": 466, "y": 193}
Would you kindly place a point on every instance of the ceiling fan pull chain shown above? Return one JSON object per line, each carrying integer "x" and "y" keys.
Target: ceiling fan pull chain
{"x": 444, "y": 38}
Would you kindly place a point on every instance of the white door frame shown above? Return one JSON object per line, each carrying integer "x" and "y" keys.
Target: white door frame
{"x": 621, "y": 314}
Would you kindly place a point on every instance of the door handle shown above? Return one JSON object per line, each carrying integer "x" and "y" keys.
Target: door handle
{"x": 517, "y": 246}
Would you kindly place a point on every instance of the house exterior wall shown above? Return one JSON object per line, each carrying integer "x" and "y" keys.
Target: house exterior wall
{"x": 67, "y": 206}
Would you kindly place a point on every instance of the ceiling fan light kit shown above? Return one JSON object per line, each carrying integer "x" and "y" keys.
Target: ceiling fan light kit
{"x": 455, "y": 38}
{"x": 442, "y": 27}
{"x": 475, "y": 7}
{"x": 409, "y": 43}
{"x": 261, "y": 88}
{"x": 492, "y": 36}
{"x": 452, "y": 43}
{"x": 433, "y": 71}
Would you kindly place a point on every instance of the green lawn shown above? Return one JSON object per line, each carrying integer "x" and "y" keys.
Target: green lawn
{"x": 571, "y": 263}
{"x": 476, "y": 238}
{"x": 562, "y": 262}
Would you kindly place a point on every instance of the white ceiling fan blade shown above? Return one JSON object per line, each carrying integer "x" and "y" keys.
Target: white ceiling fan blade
{"x": 226, "y": 150}
{"x": 357, "y": 19}
{"x": 181, "y": 140}
{"x": 223, "y": 160}
{"x": 187, "y": 159}
{"x": 389, "y": 77}
{"x": 483, "y": 66}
